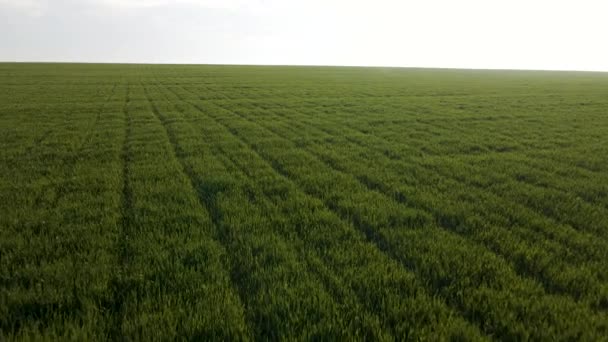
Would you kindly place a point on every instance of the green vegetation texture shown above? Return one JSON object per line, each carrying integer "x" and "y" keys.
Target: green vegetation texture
{"x": 143, "y": 202}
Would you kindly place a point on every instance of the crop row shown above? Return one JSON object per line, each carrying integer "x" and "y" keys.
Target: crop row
{"x": 370, "y": 210}
{"x": 371, "y": 290}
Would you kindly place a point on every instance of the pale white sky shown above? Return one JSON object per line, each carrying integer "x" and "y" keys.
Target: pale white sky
{"x": 513, "y": 34}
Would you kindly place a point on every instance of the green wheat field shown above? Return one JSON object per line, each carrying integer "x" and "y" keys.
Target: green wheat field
{"x": 166, "y": 202}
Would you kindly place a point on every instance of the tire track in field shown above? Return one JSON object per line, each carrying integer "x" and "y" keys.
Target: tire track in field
{"x": 116, "y": 304}
{"x": 187, "y": 172}
{"x": 332, "y": 286}
{"x": 279, "y": 170}
{"x": 127, "y": 195}
{"x": 370, "y": 235}
{"x": 317, "y": 267}
{"x": 426, "y": 168}
{"x": 401, "y": 198}
{"x": 429, "y": 123}
{"x": 271, "y": 164}
{"x": 215, "y": 217}
{"x": 528, "y": 153}
{"x": 550, "y": 235}
{"x": 432, "y": 124}
{"x": 374, "y": 235}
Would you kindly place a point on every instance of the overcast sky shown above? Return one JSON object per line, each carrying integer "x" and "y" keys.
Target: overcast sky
{"x": 514, "y": 34}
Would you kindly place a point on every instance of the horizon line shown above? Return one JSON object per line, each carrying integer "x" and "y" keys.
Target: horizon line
{"x": 306, "y": 65}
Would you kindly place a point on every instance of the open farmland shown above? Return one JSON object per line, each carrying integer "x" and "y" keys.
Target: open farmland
{"x": 240, "y": 202}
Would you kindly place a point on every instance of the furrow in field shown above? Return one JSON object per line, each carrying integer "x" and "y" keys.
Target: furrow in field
{"x": 373, "y": 146}
{"x": 127, "y": 197}
{"x": 264, "y": 268}
{"x": 180, "y": 131}
{"x": 324, "y": 128}
{"x": 367, "y": 229}
{"x": 218, "y": 166}
{"x": 547, "y": 134}
{"x": 488, "y": 136}
{"x": 531, "y": 171}
{"x": 347, "y": 121}
{"x": 171, "y": 275}
{"x": 115, "y": 304}
{"x": 393, "y": 141}
{"x": 378, "y": 145}
{"x": 587, "y": 216}
{"x": 485, "y": 136}
{"x": 337, "y": 243}
{"x": 293, "y": 163}
{"x": 414, "y": 118}
{"x": 177, "y": 153}
{"x": 500, "y": 241}
{"x": 170, "y": 202}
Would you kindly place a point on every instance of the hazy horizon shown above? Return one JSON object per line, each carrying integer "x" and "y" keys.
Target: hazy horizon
{"x": 544, "y": 35}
